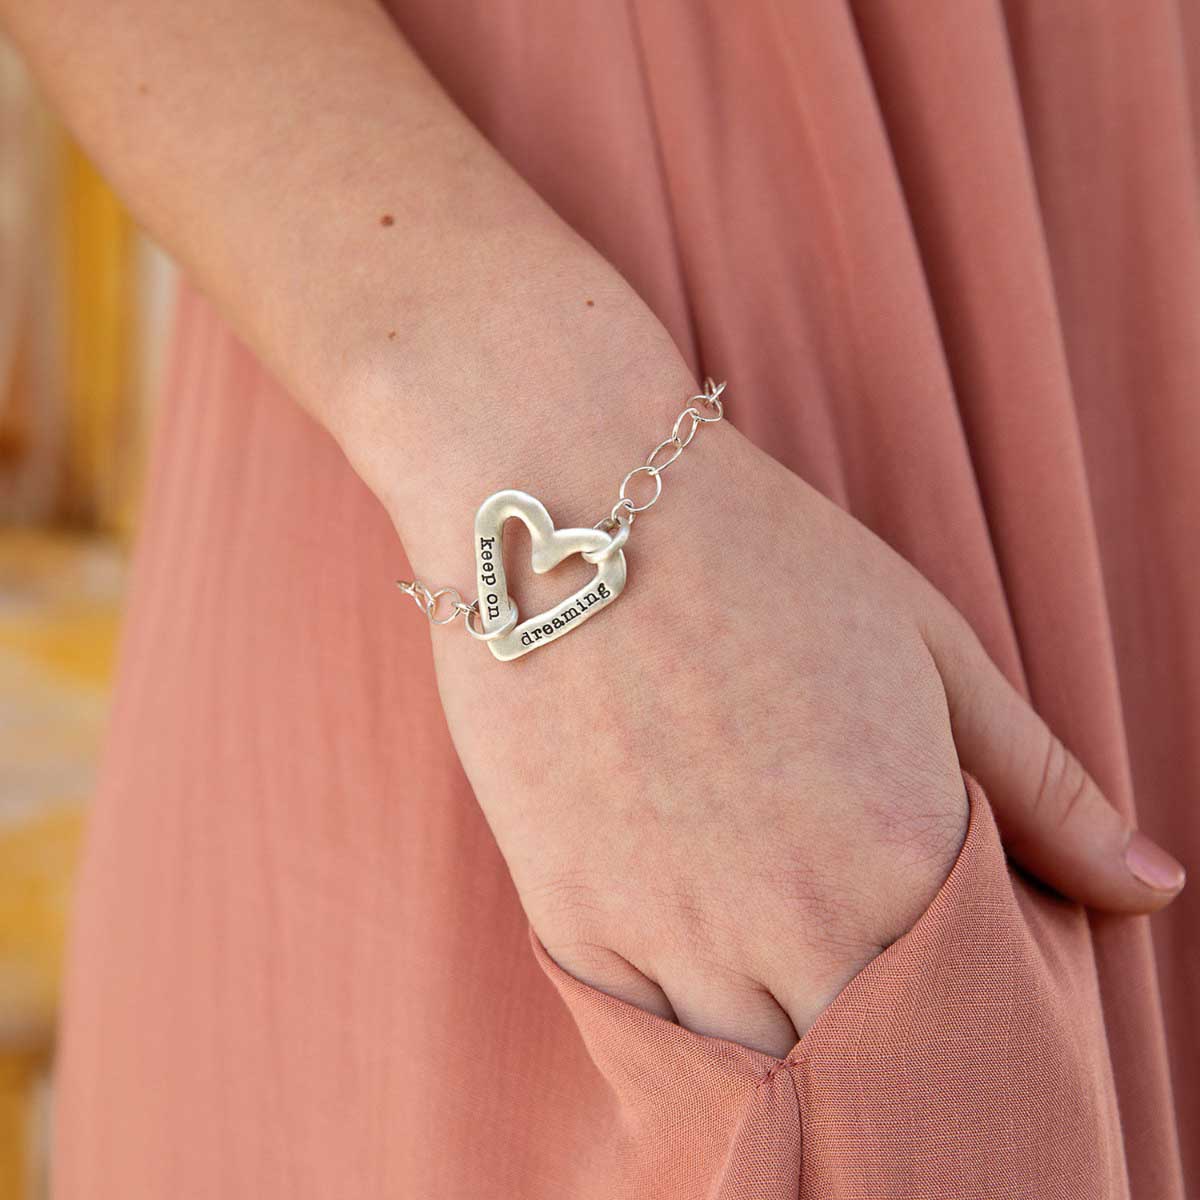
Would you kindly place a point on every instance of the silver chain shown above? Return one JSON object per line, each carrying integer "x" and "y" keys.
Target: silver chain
{"x": 702, "y": 409}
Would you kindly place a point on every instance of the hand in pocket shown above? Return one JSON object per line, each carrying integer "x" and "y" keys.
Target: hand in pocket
{"x": 724, "y": 797}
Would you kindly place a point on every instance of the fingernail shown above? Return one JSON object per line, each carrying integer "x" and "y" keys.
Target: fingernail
{"x": 1151, "y": 864}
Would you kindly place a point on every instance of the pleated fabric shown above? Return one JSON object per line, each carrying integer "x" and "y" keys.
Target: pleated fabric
{"x": 948, "y": 256}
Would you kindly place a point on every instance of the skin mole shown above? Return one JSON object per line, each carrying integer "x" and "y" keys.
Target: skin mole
{"x": 387, "y": 219}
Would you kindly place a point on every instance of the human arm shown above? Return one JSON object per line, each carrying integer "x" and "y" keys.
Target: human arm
{"x": 305, "y": 142}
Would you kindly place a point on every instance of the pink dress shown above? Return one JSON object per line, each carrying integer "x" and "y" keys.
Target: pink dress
{"x": 948, "y": 256}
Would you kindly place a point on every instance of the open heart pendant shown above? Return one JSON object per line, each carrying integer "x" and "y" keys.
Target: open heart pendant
{"x": 550, "y": 547}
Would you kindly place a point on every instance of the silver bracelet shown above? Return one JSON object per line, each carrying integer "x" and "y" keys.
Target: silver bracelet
{"x": 602, "y": 545}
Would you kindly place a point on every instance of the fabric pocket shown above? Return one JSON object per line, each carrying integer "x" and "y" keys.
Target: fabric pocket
{"x": 967, "y": 1060}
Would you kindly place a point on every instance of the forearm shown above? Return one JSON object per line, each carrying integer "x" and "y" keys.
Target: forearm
{"x": 361, "y": 235}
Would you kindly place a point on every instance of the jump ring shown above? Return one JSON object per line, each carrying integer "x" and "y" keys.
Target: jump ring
{"x": 507, "y": 626}
{"x": 711, "y": 398}
{"x": 621, "y": 508}
{"x": 615, "y": 542}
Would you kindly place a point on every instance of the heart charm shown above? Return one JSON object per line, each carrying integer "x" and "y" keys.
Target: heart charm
{"x": 550, "y": 547}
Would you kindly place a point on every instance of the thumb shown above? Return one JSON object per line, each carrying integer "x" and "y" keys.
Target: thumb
{"x": 1052, "y": 817}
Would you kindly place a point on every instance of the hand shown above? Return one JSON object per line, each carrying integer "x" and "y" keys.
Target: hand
{"x": 729, "y": 792}
{"x": 723, "y": 796}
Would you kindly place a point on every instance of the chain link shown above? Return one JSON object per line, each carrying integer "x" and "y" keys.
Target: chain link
{"x": 704, "y": 408}
{"x": 427, "y": 601}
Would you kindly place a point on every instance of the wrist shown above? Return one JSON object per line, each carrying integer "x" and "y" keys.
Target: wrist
{"x": 674, "y": 551}
{"x": 561, "y": 405}
{"x": 674, "y": 542}
{"x": 570, "y": 446}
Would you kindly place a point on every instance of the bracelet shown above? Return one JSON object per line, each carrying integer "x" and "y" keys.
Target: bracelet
{"x": 602, "y": 545}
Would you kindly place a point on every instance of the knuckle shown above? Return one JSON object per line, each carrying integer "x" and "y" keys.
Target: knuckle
{"x": 1064, "y": 784}
{"x": 585, "y": 959}
{"x": 691, "y": 926}
{"x": 921, "y": 816}
{"x": 568, "y": 902}
{"x": 931, "y": 836}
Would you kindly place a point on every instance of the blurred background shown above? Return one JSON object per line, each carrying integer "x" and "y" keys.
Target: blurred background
{"x": 85, "y": 311}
